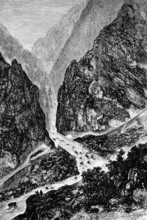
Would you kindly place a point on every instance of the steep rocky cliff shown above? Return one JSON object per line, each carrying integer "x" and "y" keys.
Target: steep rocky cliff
{"x": 22, "y": 121}
{"x": 111, "y": 77}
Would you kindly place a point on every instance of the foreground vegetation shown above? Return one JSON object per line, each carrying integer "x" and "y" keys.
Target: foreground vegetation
{"x": 123, "y": 186}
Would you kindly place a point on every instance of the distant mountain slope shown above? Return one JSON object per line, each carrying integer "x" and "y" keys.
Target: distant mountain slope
{"x": 93, "y": 18}
{"x": 49, "y": 47}
{"x": 11, "y": 49}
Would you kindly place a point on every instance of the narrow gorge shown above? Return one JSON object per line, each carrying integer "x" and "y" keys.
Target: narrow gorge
{"x": 81, "y": 154}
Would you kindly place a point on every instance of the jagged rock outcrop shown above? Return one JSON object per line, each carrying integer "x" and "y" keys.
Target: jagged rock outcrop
{"x": 22, "y": 121}
{"x": 110, "y": 78}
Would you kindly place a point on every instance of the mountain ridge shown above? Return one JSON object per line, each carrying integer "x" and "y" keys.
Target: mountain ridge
{"x": 48, "y": 48}
{"x": 89, "y": 21}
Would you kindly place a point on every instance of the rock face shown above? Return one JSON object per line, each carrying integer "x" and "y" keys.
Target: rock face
{"x": 48, "y": 48}
{"x": 22, "y": 121}
{"x": 109, "y": 79}
{"x": 94, "y": 16}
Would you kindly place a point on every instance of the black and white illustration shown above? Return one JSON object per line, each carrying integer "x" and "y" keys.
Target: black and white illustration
{"x": 73, "y": 110}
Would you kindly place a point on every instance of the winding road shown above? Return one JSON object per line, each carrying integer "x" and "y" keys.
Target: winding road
{"x": 45, "y": 150}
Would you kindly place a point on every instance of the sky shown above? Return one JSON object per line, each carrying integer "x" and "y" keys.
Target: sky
{"x": 29, "y": 20}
